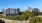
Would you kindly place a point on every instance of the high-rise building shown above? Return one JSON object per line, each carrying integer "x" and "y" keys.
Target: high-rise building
{"x": 10, "y": 11}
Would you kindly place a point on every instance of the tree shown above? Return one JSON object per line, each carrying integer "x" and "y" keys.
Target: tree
{"x": 35, "y": 11}
{"x": 32, "y": 20}
{"x": 35, "y": 20}
{"x": 39, "y": 13}
{"x": 22, "y": 17}
{"x": 26, "y": 17}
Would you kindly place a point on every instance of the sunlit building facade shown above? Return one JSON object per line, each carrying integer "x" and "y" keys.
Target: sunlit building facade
{"x": 10, "y": 11}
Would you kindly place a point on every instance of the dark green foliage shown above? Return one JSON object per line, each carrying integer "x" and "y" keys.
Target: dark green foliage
{"x": 39, "y": 19}
{"x": 35, "y": 20}
{"x": 26, "y": 17}
{"x": 1, "y": 21}
{"x": 16, "y": 17}
{"x": 21, "y": 17}
{"x": 35, "y": 11}
{"x": 39, "y": 13}
{"x": 20, "y": 13}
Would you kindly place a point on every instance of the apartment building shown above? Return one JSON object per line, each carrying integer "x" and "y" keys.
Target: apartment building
{"x": 10, "y": 11}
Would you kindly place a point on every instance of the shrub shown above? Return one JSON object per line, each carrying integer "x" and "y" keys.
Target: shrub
{"x": 1, "y": 21}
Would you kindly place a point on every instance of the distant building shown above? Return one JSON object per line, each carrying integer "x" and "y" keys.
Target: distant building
{"x": 10, "y": 11}
{"x": 29, "y": 8}
{"x": 35, "y": 9}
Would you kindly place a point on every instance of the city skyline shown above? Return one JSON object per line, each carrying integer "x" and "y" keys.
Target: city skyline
{"x": 22, "y": 4}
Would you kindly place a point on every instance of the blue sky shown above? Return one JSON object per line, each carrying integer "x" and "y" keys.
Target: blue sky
{"x": 22, "y": 4}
